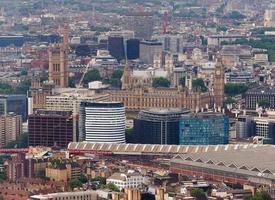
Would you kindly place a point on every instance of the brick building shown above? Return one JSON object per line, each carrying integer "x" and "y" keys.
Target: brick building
{"x": 51, "y": 128}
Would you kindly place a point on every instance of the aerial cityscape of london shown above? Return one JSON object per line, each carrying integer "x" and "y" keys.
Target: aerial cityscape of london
{"x": 137, "y": 99}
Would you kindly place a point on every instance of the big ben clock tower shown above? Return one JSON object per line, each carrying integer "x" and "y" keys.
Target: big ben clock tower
{"x": 219, "y": 84}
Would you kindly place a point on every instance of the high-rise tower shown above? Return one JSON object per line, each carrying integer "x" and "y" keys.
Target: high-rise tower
{"x": 58, "y": 65}
{"x": 219, "y": 84}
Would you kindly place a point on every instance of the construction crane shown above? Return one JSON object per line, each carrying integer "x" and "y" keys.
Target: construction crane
{"x": 79, "y": 85}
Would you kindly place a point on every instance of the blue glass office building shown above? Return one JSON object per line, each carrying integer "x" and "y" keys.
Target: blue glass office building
{"x": 204, "y": 129}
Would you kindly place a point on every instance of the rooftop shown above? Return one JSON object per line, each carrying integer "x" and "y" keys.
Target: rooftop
{"x": 258, "y": 160}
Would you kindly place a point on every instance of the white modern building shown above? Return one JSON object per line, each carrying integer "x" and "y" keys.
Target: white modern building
{"x": 102, "y": 122}
{"x": 126, "y": 180}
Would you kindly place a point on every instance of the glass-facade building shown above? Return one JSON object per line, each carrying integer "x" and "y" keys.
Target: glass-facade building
{"x": 204, "y": 129}
{"x": 16, "y": 104}
{"x": 158, "y": 126}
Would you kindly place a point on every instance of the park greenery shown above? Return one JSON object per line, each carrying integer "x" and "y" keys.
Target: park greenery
{"x": 161, "y": 82}
{"x": 21, "y": 88}
{"x": 235, "y": 15}
{"x": 264, "y": 103}
{"x": 91, "y": 75}
{"x": 259, "y": 196}
{"x": 198, "y": 194}
{"x": 199, "y": 84}
{"x": 110, "y": 186}
{"x": 233, "y": 89}
{"x": 75, "y": 183}
{"x": 262, "y": 30}
{"x": 263, "y": 42}
{"x": 115, "y": 80}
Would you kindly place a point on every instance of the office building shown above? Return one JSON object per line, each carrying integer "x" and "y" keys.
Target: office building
{"x": 116, "y": 47}
{"x": 51, "y": 128}
{"x": 148, "y": 50}
{"x": 10, "y": 128}
{"x": 204, "y": 129}
{"x": 126, "y": 180}
{"x": 58, "y": 65}
{"x": 244, "y": 127}
{"x": 132, "y": 48}
{"x": 264, "y": 127}
{"x": 254, "y": 95}
{"x": 69, "y": 99}
{"x": 102, "y": 122}
{"x": 83, "y": 195}
{"x": 170, "y": 42}
{"x": 158, "y": 126}
{"x": 16, "y": 104}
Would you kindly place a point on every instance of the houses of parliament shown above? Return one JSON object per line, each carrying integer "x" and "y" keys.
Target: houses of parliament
{"x": 139, "y": 94}
{"x": 136, "y": 93}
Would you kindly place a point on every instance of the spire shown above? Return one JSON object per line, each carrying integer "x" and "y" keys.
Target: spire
{"x": 125, "y": 79}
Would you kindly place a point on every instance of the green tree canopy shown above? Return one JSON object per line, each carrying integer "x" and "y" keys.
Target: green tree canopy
{"x": 20, "y": 142}
{"x": 83, "y": 179}
{"x": 91, "y": 75}
{"x": 235, "y": 15}
{"x": 23, "y": 87}
{"x": 116, "y": 78}
{"x": 264, "y": 103}
{"x": 198, "y": 194}
{"x": 111, "y": 186}
{"x": 102, "y": 180}
{"x": 182, "y": 81}
{"x": 199, "y": 84}
{"x": 233, "y": 89}
{"x": 75, "y": 183}
{"x": 259, "y": 196}
{"x": 161, "y": 82}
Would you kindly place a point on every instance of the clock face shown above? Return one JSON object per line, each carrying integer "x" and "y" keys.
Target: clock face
{"x": 218, "y": 72}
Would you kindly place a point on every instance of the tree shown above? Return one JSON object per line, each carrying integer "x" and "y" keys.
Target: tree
{"x": 116, "y": 78}
{"x": 24, "y": 72}
{"x": 229, "y": 100}
{"x": 83, "y": 179}
{"x": 199, "y": 84}
{"x": 92, "y": 75}
{"x": 75, "y": 183}
{"x": 102, "y": 180}
{"x": 259, "y": 196}
{"x": 3, "y": 176}
{"x": 161, "y": 82}
{"x": 72, "y": 82}
{"x": 264, "y": 103}
{"x": 111, "y": 186}
{"x": 23, "y": 87}
{"x": 6, "y": 88}
{"x": 233, "y": 89}
{"x": 198, "y": 194}
{"x": 182, "y": 81}
{"x": 235, "y": 15}
{"x": 129, "y": 135}
{"x": 20, "y": 142}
